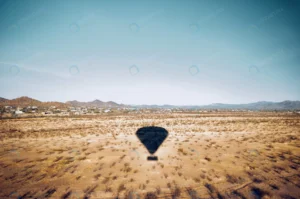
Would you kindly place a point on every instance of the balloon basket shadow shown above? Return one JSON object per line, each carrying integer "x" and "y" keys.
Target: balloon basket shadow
{"x": 152, "y": 158}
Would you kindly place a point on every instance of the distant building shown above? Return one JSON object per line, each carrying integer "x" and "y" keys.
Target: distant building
{"x": 106, "y": 111}
{"x": 18, "y": 112}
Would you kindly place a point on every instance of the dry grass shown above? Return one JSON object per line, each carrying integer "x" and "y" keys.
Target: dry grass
{"x": 207, "y": 155}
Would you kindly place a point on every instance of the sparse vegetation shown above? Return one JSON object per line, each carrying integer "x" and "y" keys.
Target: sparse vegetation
{"x": 207, "y": 155}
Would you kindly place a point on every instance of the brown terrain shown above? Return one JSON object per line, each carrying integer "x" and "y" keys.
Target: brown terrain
{"x": 26, "y": 101}
{"x": 206, "y": 155}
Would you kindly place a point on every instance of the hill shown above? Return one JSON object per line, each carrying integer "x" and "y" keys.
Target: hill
{"x": 3, "y": 99}
{"x": 95, "y": 103}
{"x": 26, "y": 101}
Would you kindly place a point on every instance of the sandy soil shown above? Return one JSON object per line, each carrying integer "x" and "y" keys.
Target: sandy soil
{"x": 206, "y": 155}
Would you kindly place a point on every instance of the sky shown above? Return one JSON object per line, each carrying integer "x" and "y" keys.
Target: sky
{"x": 150, "y": 52}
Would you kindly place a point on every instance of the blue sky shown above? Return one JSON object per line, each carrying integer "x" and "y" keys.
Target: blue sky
{"x": 150, "y": 52}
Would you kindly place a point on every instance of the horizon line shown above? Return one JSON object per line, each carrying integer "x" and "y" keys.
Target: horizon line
{"x": 142, "y": 104}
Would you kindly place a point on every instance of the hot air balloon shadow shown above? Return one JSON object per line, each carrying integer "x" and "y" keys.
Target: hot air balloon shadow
{"x": 152, "y": 137}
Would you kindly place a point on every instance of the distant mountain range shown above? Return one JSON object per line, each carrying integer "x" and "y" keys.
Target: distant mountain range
{"x": 263, "y": 105}
{"x": 95, "y": 103}
{"x": 26, "y": 101}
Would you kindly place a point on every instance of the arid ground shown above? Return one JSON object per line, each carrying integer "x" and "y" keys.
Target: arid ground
{"x": 206, "y": 155}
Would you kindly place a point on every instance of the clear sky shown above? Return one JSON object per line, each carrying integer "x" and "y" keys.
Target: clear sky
{"x": 150, "y": 52}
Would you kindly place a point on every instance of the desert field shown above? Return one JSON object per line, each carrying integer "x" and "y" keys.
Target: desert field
{"x": 206, "y": 155}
